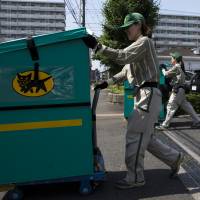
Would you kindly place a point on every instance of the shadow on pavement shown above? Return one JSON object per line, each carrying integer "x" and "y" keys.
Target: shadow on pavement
{"x": 181, "y": 124}
{"x": 158, "y": 184}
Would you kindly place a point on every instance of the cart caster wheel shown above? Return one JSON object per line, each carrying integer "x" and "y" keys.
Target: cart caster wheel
{"x": 85, "y": 191}
{"x": 85, "y": 188}
{"x": 14, "y": 194}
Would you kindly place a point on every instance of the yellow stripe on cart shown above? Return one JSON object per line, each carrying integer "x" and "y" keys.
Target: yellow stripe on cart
{"x": 39, "y": 125}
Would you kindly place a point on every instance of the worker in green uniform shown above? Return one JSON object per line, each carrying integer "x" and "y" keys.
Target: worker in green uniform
{"x": 177, "y": 98}
{"x": 141, "y": 67}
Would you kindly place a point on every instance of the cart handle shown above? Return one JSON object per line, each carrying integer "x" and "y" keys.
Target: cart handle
{"x": 94, "y": 102}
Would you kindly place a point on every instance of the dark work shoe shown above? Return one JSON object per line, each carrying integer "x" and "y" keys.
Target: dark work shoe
{"x": 175, "y": 169}
{"x": 195, "y": 125}
{"x": 123, "y": 184}
{"x": 161, "y": 127}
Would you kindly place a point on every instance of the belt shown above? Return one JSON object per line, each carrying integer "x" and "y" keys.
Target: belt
{"x": 149, "y": 84}
{"x": 181, "y": 87}
{"x": 145, "y": 84}
{"x": 176, "y": 88}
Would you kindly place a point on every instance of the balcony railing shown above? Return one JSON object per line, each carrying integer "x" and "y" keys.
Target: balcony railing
{"x": 32, "y": 8}
{"x": 32, "y": 16}
{"x": 32, "y": 24}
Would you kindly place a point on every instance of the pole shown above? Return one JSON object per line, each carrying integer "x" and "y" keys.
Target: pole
{"x": 83, "y": 13}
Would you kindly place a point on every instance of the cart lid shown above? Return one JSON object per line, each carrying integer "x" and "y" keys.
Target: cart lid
{"x": 42, "y": 40}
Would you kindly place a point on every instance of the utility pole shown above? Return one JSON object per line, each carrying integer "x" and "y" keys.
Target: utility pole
{"x": 82, "y": 12}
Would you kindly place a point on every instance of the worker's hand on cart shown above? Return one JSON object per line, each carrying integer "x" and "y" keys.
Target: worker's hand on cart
{"x": 163, "y": 66}
{"x": 101, "y": 85}
{"x": 164, "y": 72}
{"x": 91, "y": 41}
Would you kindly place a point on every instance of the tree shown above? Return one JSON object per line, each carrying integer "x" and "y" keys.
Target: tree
{"x": 114, "y": 12}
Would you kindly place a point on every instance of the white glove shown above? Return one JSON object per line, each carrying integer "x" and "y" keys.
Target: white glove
{"x": 164, "y": 72}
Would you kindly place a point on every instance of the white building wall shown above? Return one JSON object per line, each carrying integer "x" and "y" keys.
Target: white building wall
{"x": 19, "y": 18}
{"x": 177, "y": 31}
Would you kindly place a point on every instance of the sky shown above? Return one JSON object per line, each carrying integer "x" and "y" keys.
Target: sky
{"x": 186, "y": 7}
{"x": 94, "y": 18}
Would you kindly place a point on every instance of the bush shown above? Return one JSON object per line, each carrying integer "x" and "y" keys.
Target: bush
{"x": 116, "y": 89}
{"x": 194, "y": 99}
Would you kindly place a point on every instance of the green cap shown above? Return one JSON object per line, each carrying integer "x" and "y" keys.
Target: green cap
{"x": 131, "y": 19}
{"x": 176, "y": 55}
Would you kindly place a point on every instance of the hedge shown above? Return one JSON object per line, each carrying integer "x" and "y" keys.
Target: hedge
{"x": 194, "y": 99}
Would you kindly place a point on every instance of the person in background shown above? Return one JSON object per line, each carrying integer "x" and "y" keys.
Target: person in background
{"x": 142, "y": 70}
{"x": 177, "y": 98}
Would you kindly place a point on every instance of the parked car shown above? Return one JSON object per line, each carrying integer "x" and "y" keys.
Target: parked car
{"x": 188, "y": 78}
{"x": 195, "y": 81}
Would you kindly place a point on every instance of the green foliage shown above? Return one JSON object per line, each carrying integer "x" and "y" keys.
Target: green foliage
{"x": 116, "y": 89}
{"x": 114, "y": 12}
{"x": 194, "y": 99}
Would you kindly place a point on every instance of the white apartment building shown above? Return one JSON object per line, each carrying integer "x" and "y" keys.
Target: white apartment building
{"x": 20, "y": 18}
{"x": 177, "y": 31}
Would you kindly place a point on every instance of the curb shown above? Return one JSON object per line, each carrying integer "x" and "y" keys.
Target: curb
{"x": 115, "y": 98}
{"x": 190, "y": 169}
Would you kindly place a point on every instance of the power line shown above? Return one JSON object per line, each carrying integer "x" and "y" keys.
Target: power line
{"x": 78, "y": 6}
{"x": 71, "y": 10}
{"x": 93, "y": 19}
{"x": 93, "y": 14}
{"x": 99, "y": 4}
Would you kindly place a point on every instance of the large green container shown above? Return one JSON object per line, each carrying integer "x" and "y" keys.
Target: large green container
{"x": 129, "y": 100}
{"x": 163, "y": 106}
{"x": 45, "y": 113}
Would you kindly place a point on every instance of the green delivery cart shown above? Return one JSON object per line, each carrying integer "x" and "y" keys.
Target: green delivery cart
{"x": 163, "y": 106}
{"x": 46, "y": 128}
{"x": 129, "y": 99}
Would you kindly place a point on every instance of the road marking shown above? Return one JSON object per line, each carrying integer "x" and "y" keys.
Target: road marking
{"x": 184, "y": 147}
{"x": 2, "y": 194}
{"x": 4, "y": 189}
{"x": 189, "y": 182}
{"x": 111, "y": 115}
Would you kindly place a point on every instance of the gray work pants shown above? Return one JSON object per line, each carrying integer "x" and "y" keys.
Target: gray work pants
{"x": 140, "y": 137}
{"x": 176, "y": 100}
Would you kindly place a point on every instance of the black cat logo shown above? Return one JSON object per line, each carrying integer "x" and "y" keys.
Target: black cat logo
{"x": 33, "y": 83}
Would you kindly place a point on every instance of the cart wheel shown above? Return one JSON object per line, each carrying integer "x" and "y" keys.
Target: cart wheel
{"x": 14, "y": 194}
{"x": 85, "y": 187}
